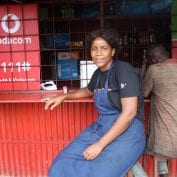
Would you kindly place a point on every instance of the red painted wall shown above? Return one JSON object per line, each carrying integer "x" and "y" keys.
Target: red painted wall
{"x": 30, "y": 137}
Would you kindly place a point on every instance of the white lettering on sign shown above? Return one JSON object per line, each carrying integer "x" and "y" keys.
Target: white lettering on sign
{"x": 17, "y": 80}
{"x": 5, "y": 22}
{"x": 24, "y": 66}
{"x": 15, "y": 40}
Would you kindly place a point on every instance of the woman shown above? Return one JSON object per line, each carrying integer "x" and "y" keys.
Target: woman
{"x": 114, "y": 142}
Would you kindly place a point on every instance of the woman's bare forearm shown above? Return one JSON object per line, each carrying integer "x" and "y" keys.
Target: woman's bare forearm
{"x": 129, "y": 111}
{"x": 121, "y": 124}
{"x": 55, "y": 101}
{"x": 81, "y": 93}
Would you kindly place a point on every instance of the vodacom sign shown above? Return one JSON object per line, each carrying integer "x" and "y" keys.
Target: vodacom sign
{"x": 10, "y": 24}
{"x": 19, "y": 47}
{"x": 5, "y": 20}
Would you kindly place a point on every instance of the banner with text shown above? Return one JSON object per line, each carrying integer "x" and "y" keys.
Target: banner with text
{"x": 19, "y": 48}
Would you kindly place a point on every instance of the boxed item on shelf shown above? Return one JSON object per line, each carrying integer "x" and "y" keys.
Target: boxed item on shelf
{"x": 87, "y": 68}
{"x": 67, "y": 69}
{"x": 60, "y": 40}
{"x": 68, "y": 55}
{"x": 76, "y": 43}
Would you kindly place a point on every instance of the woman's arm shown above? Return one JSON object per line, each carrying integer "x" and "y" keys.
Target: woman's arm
{"x": 55, "y": 101}
{"x": 129, "y": 111}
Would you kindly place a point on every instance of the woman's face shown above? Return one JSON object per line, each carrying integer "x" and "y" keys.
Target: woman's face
{"x": 102, "y": 53}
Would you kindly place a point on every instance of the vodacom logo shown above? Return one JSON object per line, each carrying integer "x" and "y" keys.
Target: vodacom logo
{"x": 5, "y": 21}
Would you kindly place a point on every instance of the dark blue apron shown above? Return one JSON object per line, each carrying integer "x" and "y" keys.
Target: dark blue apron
{"x": 115, "y": 160}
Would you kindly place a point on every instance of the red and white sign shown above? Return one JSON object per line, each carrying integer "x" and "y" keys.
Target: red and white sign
{"x": 19, "y": 48}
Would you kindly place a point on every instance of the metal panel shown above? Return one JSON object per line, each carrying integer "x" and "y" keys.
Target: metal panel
{"x": 30, "y": 137}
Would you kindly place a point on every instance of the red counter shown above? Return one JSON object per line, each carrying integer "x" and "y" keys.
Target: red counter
{"x": 30, "y": 137}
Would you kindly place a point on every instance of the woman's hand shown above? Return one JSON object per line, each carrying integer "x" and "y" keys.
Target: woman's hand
{"x": 92, "y": 151}
{"x": 53, "y": 102}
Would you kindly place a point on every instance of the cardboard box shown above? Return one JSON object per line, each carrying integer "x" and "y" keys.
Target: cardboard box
{"x": 68, "y": 55}
{"x": 67, "y": 69}
{"x": 87, "y": 68}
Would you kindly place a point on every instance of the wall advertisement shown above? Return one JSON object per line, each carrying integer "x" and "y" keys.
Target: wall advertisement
{"x": 19, "y": 48}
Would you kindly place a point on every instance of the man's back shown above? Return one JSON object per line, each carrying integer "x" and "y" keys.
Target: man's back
{"x": 165, "y": 80}
{"x": 161, "y": 82}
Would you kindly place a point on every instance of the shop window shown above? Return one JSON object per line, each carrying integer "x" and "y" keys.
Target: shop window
{"x": 59, "y": 29}
{"x": 63, "y": 51}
